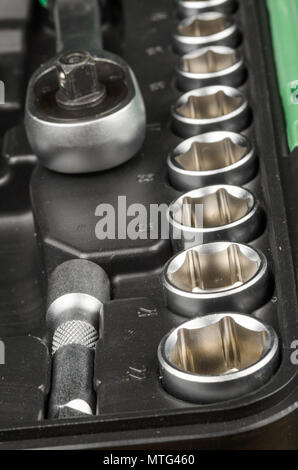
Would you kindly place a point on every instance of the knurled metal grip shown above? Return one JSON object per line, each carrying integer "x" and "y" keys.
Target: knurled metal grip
{"x": 77, "y": 291}
{"x": 74, "y": 332}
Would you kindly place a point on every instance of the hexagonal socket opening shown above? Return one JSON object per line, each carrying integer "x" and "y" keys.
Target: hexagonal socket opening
{"x": 213, "y": 269}
{"x": 221, "y": 206}
{"x": 210, "y": 61}
{"x": 222, "y": 348}
{"x": 210, "y": 106}
{"x": 209, "y": 156}
{"x": 199, "y": 27}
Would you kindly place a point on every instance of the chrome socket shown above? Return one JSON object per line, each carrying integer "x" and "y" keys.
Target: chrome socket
{"x": 212, "y": 108}
{"x": 212, "y": 158}
{"x": 213, "y": 65}
{"x": 218, "y": 357}
{"x": 193, "y": 7}
{"x": 206, "y": 29}
{"x": 214, "y": 213}
{"x": 216, "y": 277}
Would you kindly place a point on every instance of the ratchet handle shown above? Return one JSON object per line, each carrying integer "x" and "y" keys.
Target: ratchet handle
{"x": 78, "y": 25}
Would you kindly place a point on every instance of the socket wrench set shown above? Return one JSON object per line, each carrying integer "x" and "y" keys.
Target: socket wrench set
{"x": 185, "y": 341}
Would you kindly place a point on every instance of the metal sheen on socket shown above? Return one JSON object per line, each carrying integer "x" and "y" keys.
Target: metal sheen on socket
{"x": 216, "y": 277}
{"x": 90, "y": 138}
{"x": 206, "y": 29}
{"x": 214, "y": 213}
{"x": 212, "y": 158}
{"x": 213, "y": 65}
{"x": 213, "y": 108}
{"x": 218, "y": 357}
{"x": 192, "y": 7}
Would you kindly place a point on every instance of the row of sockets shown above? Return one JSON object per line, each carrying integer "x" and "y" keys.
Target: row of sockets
{"x": 215, "y": 356}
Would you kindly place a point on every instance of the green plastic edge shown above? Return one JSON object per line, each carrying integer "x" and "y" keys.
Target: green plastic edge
{"x": 44, "y": 3}
{"x": 284, "y": 30}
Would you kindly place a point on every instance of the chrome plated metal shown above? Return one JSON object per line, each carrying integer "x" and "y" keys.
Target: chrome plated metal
{"x": 214, "y": 213}
{"x": 92, "y": 138}
{"x": 74, "y": 307}
{"x": 206, "y": 29}
{"x": 84, "y": 109}
{"x": 211, "y": 108}
{"x": 210, "y": 159}
{"x": 75, "y": 332}
{"x": 213, "y": 65}
{"x": 218, "y": 357}
{"x": 215, "y": 277}
{"x": 192, "y": 7}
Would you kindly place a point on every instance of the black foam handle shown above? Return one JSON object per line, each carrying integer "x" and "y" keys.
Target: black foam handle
{"x": 79, "y": 276}
{"x": 72, "y": 379}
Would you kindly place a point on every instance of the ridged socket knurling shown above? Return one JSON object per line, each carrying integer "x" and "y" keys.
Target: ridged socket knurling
{"x": 74, "y": 332}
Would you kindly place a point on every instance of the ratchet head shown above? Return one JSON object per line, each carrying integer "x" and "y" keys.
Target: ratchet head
{"x": 84, "y": 112}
